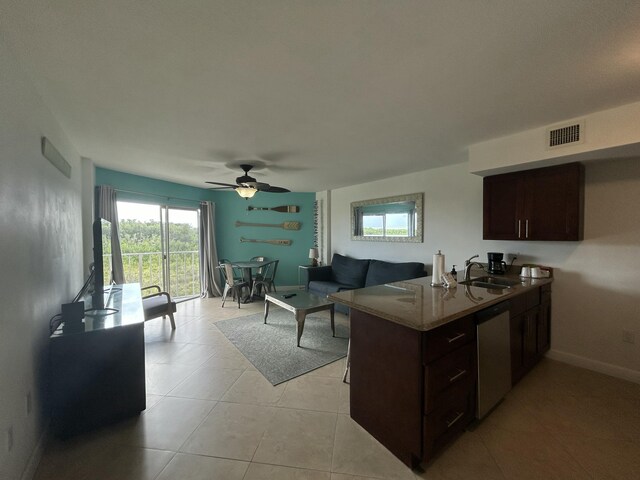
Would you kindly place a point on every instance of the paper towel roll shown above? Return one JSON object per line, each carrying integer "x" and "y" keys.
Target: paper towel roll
{"x": 438, "y": 269}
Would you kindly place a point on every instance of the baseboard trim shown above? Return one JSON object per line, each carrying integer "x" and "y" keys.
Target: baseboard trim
{"x": 595, "y": 365}
{"x": 30, "y": 470}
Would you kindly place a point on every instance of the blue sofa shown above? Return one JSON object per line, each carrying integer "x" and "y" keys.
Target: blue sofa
{"x": 346, "y": 273}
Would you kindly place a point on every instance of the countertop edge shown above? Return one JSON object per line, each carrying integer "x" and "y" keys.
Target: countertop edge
{"x": 513, "y": 292}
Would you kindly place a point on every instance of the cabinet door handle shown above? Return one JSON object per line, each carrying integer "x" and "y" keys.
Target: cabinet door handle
{"x": 519, "y": 224}
{"x": 457, "y": 337}
{"x": 452, "y": 422}
{"x": 457, "y": 375}
{"x": 526, "y": 228}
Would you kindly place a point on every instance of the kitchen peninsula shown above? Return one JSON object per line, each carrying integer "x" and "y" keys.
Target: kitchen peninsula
{"x": 413, "y": 356}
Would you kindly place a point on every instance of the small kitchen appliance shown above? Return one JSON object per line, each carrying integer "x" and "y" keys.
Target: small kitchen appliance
{"x": 496, "y": 265}
{"x": 438, "y": 269}
{"x": 536, "y": 272}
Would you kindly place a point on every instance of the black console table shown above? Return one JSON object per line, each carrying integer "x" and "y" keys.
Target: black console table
{"x": 97, "y": 370}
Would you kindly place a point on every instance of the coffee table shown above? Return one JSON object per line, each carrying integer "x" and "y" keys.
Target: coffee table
{"x": 300, "y": 303}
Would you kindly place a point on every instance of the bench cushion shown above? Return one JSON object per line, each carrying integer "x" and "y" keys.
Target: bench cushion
{"x": 157, "y": 306}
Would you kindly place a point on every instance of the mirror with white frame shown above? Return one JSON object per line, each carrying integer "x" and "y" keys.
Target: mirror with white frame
{"x": 390, "y": 219}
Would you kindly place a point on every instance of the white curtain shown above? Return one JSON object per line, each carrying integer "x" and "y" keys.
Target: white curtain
{"x": 209, "y": 277}
{"x": 106, "y": 207}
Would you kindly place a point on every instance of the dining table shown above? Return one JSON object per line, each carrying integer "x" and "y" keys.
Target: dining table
{"x": 248, "y": 267}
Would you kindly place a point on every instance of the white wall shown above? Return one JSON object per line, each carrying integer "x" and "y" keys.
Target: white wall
{"x": 595, "y": 292}
{"x": 606, "y": 134}
{"x": 40, "y": 258}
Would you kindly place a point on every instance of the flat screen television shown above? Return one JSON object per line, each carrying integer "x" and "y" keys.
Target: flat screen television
{"x": 102, "y": 274}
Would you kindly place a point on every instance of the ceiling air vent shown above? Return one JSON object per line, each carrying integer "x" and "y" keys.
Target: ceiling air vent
{"x": 566, "y": 135}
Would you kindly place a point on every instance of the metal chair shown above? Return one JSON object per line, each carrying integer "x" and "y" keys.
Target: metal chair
{"x": 260, "y": 271}
{"x": 267, "y": 281}
{"x": 158, "y": 304}
{"x": 237, "y": 274}
{"x": 230, "y": 284}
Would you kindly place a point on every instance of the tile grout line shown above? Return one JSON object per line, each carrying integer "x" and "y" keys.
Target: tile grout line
{"x": 335, "y": 435}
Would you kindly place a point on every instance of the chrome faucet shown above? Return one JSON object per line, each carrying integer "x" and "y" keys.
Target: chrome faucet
{"x": 467, "y": 267}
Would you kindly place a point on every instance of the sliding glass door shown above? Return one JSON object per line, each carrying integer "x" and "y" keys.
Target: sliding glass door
{"x": 182, "y": 256}
{"x": 160, "y": 247}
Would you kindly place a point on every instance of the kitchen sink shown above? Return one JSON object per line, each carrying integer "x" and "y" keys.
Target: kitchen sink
{"x": 491, "y": 282}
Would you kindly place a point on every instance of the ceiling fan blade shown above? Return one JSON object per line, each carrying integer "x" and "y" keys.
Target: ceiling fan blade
{"x": 248, "y": 181}
{"x": 228, "y": 185}
{"x": 273, "y": 189}
{"x": 260, "y": 186}
{"x": 222, "y": 188}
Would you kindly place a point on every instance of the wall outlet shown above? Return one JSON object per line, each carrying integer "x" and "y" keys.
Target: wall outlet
{"x": 628, "y": 337}
{"x": 10, "y": 439}
{"x": 28, "y": 403}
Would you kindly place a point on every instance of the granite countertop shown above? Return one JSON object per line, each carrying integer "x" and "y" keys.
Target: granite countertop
{"x": 418, "y": 305}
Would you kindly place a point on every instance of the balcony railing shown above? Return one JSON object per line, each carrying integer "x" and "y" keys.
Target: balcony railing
{"x": 146, "y": 269}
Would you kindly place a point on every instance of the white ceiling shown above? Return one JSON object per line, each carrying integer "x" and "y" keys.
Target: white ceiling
{"x": 327, "y": 93}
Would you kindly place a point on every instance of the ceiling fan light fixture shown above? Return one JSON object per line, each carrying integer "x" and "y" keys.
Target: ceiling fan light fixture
{"x": 246, "y": 192}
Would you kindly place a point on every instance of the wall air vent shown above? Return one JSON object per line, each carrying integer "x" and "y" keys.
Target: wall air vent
{"x": 565, "y": 135}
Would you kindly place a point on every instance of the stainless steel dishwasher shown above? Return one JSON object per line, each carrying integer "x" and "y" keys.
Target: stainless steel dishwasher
{"x": 494, "y": 357}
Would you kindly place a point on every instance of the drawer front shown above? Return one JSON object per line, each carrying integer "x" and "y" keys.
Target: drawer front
{"x": 448, "y": 420}
{"x": 458, "y": 367}
{"x": 449, "y": 337}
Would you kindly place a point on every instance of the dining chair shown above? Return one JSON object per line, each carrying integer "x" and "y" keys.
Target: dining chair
{"x": 237, "y": 273}
{"x": 258, "y": 275}
{"x": 267, "y": 281}
{"x": 232, "y": 285}
{"x": 260, "y": 271}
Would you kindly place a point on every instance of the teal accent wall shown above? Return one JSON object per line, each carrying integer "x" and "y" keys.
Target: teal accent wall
{"x": 230, "y": 207}
{"x": 149, "y": 190}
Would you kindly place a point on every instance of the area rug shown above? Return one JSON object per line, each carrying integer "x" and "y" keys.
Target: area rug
{"x": 272, "y": 349}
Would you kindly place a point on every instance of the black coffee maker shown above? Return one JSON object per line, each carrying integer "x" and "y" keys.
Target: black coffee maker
{"x": 496, "y": 265}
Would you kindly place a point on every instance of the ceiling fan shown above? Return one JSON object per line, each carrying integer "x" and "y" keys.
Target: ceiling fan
{"x": 247, "y": 186}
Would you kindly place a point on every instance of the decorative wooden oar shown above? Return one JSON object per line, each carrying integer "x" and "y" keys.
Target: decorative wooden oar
{"x": 281, "y": 208}
{"x": 272, "y": 242}
{"x": 285, "y": 225}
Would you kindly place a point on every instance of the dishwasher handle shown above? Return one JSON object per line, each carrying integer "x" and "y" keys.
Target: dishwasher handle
{"x": 493, "y": 311}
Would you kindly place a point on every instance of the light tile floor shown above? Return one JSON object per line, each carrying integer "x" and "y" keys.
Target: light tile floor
{"x": 211, "y": 415}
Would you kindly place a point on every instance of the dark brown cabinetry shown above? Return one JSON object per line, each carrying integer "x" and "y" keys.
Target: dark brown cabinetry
{"x": 449, "y": 364}
{"x": 412, "y": 390}
{"x": 544, "y": 320}
{"x": 539, "y": 204}
{"x": 98, "y": 373}
{"x": 530, "y": 317}
{"x": 415, "y": 389}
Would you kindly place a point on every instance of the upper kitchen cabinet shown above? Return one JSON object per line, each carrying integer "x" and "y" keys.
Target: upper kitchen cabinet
{"x": 539, "y": 204}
